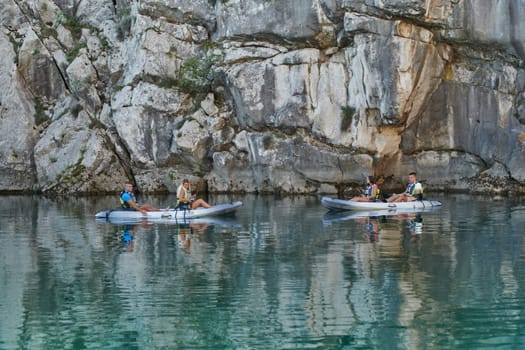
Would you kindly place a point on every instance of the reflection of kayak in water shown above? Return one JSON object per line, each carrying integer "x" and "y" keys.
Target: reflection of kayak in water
{"x": 341, "y": 204}
{"x": 169, "y": 214}
{"x": 340, "y": 216}
{"x": 517, "y": 213}
{"x": 211, "y": 220}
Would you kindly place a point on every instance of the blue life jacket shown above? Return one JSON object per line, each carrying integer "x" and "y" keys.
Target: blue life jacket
{"x": 126, "y": 237}
{"x": 123, "y": 203}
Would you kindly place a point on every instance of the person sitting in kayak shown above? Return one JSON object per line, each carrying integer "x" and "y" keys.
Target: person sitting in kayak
{"x": 186, "y": 200}
{"x": 371, "y": 191}
{"x": 413, "y": 192}
{"x": 128, "y": 202}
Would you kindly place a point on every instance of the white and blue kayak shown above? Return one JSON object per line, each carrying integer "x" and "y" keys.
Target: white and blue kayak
{"x": 169, "y": 214}
{"x": 341, "y": 204}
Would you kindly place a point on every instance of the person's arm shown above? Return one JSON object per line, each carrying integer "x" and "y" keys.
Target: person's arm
{"x": 136, "y": 207}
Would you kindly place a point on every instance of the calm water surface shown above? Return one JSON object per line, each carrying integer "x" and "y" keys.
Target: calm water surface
{"x": 280, "y": 274}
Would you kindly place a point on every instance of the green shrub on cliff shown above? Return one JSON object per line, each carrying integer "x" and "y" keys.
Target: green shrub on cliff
{"x": 196, "y": 74}
{"x": 40, "y": 112}
{"x": 73, "y": 53}
{"x": 347, "y": 115}
{"x": 73, "y": 24}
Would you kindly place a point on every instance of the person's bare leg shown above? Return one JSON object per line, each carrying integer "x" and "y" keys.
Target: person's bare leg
{"x": 400, "y": 199}
{"x": 199, "y": 203}
{"x": 148, "y": 207}
{"x": 392, "y": 198}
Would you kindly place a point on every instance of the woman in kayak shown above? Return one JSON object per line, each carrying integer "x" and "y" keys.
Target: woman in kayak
{"x": 371, "y": 191}
{"x": 186, "y": 200}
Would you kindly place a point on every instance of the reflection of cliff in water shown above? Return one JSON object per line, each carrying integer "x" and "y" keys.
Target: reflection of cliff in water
{"x": 280, "y": 277}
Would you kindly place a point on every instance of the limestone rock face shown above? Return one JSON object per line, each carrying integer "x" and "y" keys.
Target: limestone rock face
{"x": 38, "y": 69}
{"x": 287, "y": 20}
{"x": 301, "y": 96}
{"x": 72, "y": 155}
{"x": 17, "y": 123}
{"x": 181, "y": 11}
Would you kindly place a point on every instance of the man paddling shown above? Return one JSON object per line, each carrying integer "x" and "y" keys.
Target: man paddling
{"x": 128, "y": 202}
{"x": 413, "y": 192}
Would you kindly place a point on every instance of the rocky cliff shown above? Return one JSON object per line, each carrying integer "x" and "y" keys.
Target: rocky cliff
{"x": 302, "y": 96}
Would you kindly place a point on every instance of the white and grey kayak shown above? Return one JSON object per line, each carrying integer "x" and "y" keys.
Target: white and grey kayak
{"x": 332, "y": 217}
{"x": 169, "y": 214}
{"x": 341, "y": 204}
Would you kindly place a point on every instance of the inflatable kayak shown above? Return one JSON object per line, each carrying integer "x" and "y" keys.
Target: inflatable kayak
{"x": 168, "y": 214}
{"x": 332, "y": 217}
{"x": 341, "y": 204}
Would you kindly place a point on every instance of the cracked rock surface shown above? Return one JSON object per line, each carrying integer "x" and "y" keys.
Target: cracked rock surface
{"x": 261, "y": 96}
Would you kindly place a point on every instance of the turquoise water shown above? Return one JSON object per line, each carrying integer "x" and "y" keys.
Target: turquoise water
{"x": 279, "y": 275}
